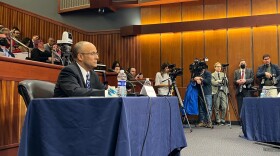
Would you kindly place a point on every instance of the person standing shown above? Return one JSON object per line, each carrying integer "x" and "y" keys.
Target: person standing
{"x": 243, "y": 80}
{"x": 220, "y": 92}
{"x": 162, "y": 81}
{"x": 204, "y": 79}
{"x": 268, "y": 73}
{"x": 79, "y": 79}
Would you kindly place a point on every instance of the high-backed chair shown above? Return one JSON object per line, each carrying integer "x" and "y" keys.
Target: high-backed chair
{"x": 30, "y": 89}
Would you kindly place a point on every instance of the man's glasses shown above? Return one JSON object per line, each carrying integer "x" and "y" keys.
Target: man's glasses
{"x": 92, "y": 53}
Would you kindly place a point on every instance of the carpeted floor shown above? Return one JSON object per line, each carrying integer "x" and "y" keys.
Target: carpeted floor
{"x": 223, "y": 141}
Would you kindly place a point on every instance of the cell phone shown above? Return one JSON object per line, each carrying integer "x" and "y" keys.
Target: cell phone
{"x": 140, "y": 74}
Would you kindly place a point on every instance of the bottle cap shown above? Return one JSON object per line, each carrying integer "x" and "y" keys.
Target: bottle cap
{"x": 121, "y": 71}
{"x": 147, "y": 79}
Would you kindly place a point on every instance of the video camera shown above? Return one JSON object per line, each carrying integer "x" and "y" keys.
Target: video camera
{"x": 174, "y": 72}
{"x": 197, "y": 66}
{"x": 65, "y": 46}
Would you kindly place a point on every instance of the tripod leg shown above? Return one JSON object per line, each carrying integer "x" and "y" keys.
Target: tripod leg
{"x": 228, "y": 111}
{"x": 181, "y": 103}
{"x": 205, "y": 102}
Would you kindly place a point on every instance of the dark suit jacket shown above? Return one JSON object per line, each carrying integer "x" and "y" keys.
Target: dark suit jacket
{"x": 71, "y": 83}
{"x": 249, "y": 76}
{"x": 274, "y": 70}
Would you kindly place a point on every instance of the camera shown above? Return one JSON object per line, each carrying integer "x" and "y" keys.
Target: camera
{"x": 174, "y": 72}
{"x": 197, "y": 66}
{"x": 65, "y": 46}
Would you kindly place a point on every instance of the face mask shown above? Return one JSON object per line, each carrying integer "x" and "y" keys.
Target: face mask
{"x": 3, "y": 42}
{"x": 242, "y": 66}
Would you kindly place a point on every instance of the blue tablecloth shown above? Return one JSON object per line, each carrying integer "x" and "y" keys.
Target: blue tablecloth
{"x": 102, "y": 127}
{"x": 261, "y": 119}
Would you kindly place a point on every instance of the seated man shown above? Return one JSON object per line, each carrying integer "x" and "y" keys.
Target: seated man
{"x": 78, "y": 79}
{"x": 4, "y": 51}
{"x": 132, "y": 74}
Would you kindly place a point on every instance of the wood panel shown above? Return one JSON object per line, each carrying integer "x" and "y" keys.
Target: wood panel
{"x": 171, "y": 51}
{"x": 150, "y": 54}
{"x": 265, "y": 42}
{"x": 237, "y": 8}
{"x": 171, "y": 42}
{"x": 192, "y": 11}
{"x": 193, "y": 47}
{"x": 214, "y": 9}
{"x": 12, "y": 107}
{"x": 150, "y": 44}
{"x": 260, "y": 7}
{"x": 216, "y": 47}
{"x": 239, "y": 47}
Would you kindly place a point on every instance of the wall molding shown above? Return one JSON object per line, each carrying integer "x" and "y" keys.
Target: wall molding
{"x": 212, "y": 24}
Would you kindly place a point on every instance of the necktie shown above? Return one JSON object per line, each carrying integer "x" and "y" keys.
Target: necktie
{"x": 219, "y": 76}
{"x": 242, "y": 74}
{"x": 88, "y": 81}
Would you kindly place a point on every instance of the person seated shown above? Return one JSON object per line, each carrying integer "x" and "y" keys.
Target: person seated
{"x": 132, "y": 74}
{"x": 49, "y": 46}
{"x": 79, "y": 78}
{"x": 39, "y": 53}
{"x": 4, "y": 51}
{"x": 26, "y": 41}
{"x": 116, "y": 67}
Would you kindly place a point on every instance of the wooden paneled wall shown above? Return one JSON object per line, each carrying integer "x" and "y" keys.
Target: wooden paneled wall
{"x": 223, "y": 45}
{"x": 110, "y": 44}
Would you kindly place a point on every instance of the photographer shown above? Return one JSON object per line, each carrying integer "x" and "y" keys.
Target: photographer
{"x": 268, "y": 73}
{"x": 204, "y": 79}
{"x": 243, "y": 79}
{"x": 219, "y": 91}
{"x": 163, "y": 86}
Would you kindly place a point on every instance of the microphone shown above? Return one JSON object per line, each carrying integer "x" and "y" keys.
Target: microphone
{"x": 128, "y": 73}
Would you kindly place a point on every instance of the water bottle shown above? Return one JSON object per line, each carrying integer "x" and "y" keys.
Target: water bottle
{"x": 122, "y": 83}
{"x": 147, "y": 82}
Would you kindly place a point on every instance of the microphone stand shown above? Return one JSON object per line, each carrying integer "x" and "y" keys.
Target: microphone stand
{"x": 12, "y": 38}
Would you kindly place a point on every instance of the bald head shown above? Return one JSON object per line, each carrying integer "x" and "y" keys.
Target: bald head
{"x": 80, "y": 47}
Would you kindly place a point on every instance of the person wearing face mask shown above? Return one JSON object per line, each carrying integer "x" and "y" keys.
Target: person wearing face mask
{"x": 3, "y": 44}
{"x": 268, "y": 73}
{"x": 243, "y": 80}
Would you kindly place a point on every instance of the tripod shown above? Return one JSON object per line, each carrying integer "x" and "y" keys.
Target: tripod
{"x": 177, "y": 93}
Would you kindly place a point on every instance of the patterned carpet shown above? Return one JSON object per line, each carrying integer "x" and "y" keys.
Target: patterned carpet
{"x": 223, "y": 141}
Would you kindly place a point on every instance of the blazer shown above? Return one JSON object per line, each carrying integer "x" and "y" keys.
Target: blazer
{"x": 274, "y": 70}
{"x": 216, "y": 85}
{"x": 70, "y": 83}
{"x": 249, "y": 76}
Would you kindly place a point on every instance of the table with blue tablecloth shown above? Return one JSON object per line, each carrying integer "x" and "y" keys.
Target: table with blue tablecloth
{"x": 126, "y": 126}
{"x": 261, "y": 119}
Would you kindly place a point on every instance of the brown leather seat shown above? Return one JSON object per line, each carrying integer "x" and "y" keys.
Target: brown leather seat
{"x": 30, "y": 89}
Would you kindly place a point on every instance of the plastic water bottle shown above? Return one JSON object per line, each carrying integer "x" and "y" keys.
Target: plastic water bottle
{"x": 147, "y": 82}
{"x": 122, "y": 83}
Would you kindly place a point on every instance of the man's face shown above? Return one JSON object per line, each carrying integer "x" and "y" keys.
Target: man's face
{"x": 133, "y": 71}
{"x": 51, "y": 42}
{"x": 17, "y": 34}
{"x": 242, "y": 62}
{"x": 266, "y": 60}
{"x": 35, "y": 37}
{"x": 89, "y": 56}
{"x": 218, "y": 67}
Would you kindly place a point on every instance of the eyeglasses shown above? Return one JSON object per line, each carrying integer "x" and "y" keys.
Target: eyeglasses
{"x": 92, "y": 53}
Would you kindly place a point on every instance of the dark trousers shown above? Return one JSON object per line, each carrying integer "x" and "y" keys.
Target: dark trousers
{"x": 239, "y": 98}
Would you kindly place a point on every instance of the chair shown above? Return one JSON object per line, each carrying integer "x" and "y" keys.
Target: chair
{"x": 31, "y": 89}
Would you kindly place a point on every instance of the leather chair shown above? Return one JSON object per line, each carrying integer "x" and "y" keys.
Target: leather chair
{"x": 31, "y": 89}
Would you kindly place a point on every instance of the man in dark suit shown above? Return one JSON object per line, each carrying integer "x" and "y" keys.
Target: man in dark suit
{"x": 243, "y": 80}
{"x": 78, "y": 79}
{"x": 268, "y": 73}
